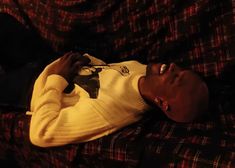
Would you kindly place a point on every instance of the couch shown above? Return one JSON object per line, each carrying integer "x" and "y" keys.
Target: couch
{"x": 198, "y": 34}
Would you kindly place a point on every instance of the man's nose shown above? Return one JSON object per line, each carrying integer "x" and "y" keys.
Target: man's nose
{"x": 174, "y": 68}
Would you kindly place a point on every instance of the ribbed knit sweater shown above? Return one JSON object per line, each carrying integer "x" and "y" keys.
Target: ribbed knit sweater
{"x": 59, "y": 118}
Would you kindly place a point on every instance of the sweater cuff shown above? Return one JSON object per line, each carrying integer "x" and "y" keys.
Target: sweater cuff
{"x": 56, "y": 82}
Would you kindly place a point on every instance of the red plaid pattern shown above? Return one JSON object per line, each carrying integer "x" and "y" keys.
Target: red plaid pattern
{"x": 164, "y": 144}
{"x": 196, "y": 34}
{"x": 148, "y": 143}
{"x": 15, "y": 145}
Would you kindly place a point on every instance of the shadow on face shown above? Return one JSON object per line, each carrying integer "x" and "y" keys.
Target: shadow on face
{"x": 183, "y": 90}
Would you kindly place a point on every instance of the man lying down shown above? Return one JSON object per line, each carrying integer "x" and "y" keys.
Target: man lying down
{"x": 81, "y": 98}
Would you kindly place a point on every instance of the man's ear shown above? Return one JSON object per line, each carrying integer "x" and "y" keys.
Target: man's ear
{"x": 179, "y": 112}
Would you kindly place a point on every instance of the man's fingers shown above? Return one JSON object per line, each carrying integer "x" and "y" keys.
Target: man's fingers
{"x": 76, "y": 56}
{"x": 74, "y": 61}
{"x": 77, "y": 65}
{"x": 66, "y": 55}
{"x": 82, "y": 59}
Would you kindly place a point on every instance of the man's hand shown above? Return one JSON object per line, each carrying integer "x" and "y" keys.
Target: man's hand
{"x": 69, "y": 65}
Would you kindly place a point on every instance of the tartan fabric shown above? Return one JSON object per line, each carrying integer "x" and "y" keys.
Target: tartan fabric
{"x": 16, "y": 147}
{"x": 149, "y": 143}
{"x": 198, "y": 34}
{"x": 164, "y": 144}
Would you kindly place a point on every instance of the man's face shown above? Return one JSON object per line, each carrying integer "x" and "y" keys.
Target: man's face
{"x": 171, "y": 80}
{"x": 179, "y": 87}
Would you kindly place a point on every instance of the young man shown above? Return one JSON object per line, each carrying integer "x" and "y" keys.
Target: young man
{"x": 80, "y": 98}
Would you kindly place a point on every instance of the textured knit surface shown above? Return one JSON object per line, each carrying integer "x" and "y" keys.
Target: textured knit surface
{"x": 60, "y": 119}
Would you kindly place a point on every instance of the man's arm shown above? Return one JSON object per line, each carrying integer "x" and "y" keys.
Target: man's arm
{"x": 54, "y": 125}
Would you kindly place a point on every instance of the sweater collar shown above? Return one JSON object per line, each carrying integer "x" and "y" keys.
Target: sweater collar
{"x": 139, "y": 99}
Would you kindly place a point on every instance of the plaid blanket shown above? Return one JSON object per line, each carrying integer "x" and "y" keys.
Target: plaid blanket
{"x": 197, "y": 34}
{"x": 151, "y": 142}
{"x": 17, "y": 151}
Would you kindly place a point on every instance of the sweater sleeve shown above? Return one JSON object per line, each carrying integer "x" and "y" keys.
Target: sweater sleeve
{"x": 53, "y": 125}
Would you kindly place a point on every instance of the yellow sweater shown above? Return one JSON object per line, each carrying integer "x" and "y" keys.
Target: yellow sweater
{"x": 59, "y": 118}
